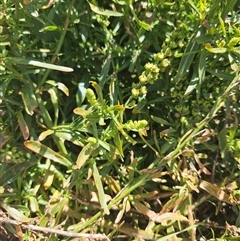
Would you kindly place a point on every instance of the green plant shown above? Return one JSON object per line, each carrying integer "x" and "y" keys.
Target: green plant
{"x": 120, "y": 118}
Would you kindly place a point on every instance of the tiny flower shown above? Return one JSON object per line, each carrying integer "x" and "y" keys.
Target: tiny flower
{"x": 135, "y": 92}
{"x": 143, "y": 78}
{"x": 143, "y": 90}
{"x": 158, "y": 56}
{"x": 165, "y": 63}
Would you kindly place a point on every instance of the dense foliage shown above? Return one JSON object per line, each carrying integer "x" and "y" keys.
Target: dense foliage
{"x": 119, "y": 119}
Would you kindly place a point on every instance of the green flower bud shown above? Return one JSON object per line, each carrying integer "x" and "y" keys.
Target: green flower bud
{"x": 90, "y": 95}
{"x": 195, "y": 112}
{"x": 136, "y": 125}
{"x": 168, "y": 52}
{"x": 184, "y": 120}
{"x": 180, "y": 44}
{"x": 178, "y": 108}
{"x": 92, "y": 140}
{"x": 173, "y": 45}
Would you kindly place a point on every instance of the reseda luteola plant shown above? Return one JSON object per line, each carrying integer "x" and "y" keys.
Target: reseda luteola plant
{"x": 192, "y": 101}
{"x": 103, "y": 112}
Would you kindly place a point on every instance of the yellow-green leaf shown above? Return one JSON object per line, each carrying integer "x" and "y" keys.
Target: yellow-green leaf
{"x": 29, "y": 99}
{"x": 17, "y": 215}
{"x": 33, "y": 204}
{"x": 44, "y": 134}
{"x": 15, "y": 60}
{"x": 104, "y": 12}
{"x": 47, "y": 152}
{"x": 99, "y": 186}
{"x": 210, "y": 49}
{"x": 84, "y": 155}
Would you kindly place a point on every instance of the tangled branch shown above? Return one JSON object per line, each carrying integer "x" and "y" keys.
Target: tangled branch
{"x": 55, "y": 231}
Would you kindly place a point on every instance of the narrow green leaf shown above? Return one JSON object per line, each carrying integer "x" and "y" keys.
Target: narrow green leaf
{"x": 69, "y": 135}
{"x": 140, "y": 105}
{"x": 134, "y": 61}
{"x": 44, "y": 134}
{"x": 160, "y": 120}
{"x": 23, "y": 125}
{"x": 222, "y": 25}
{"x": 14, "y": 171}
{"x": 14, "y": 60}
{"x": 221, "y": 74}
{"x": 105, "y": 71}
{"x": 228, "y": 8}
{"x": 49, "y": 66}
{"x": 47, "y": 152}
{"x": 193, "y": 84}
{"x": 232, "y": 42}
{"x": 111, "y": 149}
{"x": 210, "y": 49}
{"x": 99, "y": 186}
{"x": 189, "y": 54}
{"x": 84, "y": 155}
{"x": 14, "y": 213}
{"x": 195, "y": 8}
{"x": 50, "y": 28}
{"x": 119, "y": 143}
{"x": 29, "y": 99}
{"x": 60, "y": 86}
{"x": 33, "y": 204}
{"x": 54, "y": 98}
{"x": 81, "y": 94}
{"x": 144, "y": 25}
{"x": 81, "y": 112}
{"x": 204, "y": 39}
{"x": 223, "y": 145}
{"x": 104, "y": 12}
{"x": 201, "y": 71}
{"x": 58, "y": 207}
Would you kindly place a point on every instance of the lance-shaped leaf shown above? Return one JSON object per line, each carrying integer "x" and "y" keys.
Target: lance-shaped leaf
{"x": 14, "y": 171}
{"x": 23, "y": 126}
{"x": 14, "y": 213}
{"x": 189, "y": 54}
{"x": 14, "y": 60}
{"x": 210, "y": 49}
{"x": 84, "y": 155}
{"x": 47, "y": 152}
{"x": 99, "y": 186}
{"x": 29, "y": 99}
{"x": 104, "y": 12}
{"x": 215, "y": 191}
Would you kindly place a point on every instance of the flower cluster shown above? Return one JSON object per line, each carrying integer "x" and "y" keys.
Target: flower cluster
{"x": 149, "y": 76}
{"x": 91, "y": 97}
{"x": 139, "y": 125}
